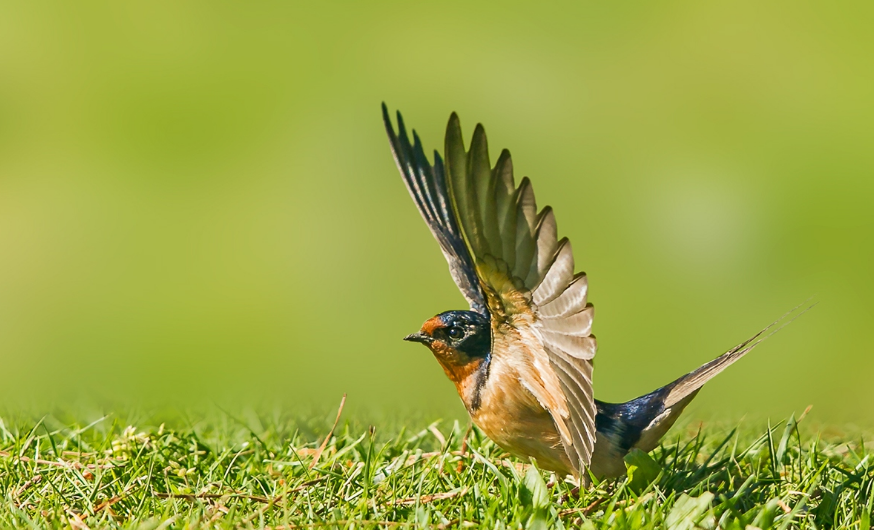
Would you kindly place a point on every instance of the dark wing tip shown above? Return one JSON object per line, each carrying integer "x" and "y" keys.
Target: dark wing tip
{"x": 453, "y": 127}
{"x": 386, "y": 119}
{"x": 480, "y": 142}
{"x": 427, "y": 185}
{"x": 402, "y": 130}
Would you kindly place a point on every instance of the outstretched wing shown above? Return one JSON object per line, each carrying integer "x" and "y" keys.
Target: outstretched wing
{"x": 427, "y": 186}
{"x": 506, "y": 259}
{"x": 527, "y": 275}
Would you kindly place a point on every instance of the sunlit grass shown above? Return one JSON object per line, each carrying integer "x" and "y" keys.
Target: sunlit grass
{"x": 220, "y": 470}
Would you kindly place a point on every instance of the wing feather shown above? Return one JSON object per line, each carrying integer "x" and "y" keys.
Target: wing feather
{"x": 576, "y": 445}
{"x": 507, "y": 260}
{"x": 577, "y": 347}
{"x": 526, "y": 227}
{"x": 480, "y": 172}
{"x": 428, "y": 188}
{"x": 558, "y": 277}
{"x": 505, "y": 207}
{"x": 572, "y": 300}
{"x": 578, "y": 324}
{"x": 462, "y": 184}
{"x": 523, "y": 266}
{"x": 546, "y": 244}
{"x": 576, "y": 381}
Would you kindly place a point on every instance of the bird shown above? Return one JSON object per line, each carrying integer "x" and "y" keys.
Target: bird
{"x": 521, "y": 357}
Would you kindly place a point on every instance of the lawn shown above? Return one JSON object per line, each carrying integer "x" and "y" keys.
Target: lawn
{"x": 285, "y": 471}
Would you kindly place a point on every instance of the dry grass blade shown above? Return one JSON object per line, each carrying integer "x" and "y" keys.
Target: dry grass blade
{"x": 424, "y": 499}
{"x": 585, "y": 511}
{"x": 437, "y": 434}
{"x": 27, "y": 485}
{"x": 107, "y": 503}
{"x": 330, "y": 433}
{"x": 464, "y": 448}
{"x": 76, "y": 521}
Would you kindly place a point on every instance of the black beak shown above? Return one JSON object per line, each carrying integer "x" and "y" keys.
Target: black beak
{"x": 419, "y": 337}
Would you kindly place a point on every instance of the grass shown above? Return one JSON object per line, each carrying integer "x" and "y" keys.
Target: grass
{"x": 287, "y": 472}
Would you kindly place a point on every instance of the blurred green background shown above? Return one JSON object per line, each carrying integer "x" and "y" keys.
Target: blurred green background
{"x": 198, "y": 202}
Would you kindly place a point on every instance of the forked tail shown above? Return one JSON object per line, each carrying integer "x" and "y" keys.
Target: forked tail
{"x": 641, "y": 422}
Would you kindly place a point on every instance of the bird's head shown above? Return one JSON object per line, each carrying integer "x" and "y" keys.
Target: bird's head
{"x": 460, "y": 340}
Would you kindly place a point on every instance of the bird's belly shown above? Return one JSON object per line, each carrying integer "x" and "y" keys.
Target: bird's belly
{"x": 512, "y": 418}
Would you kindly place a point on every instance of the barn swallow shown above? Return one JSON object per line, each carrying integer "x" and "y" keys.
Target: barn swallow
{"x": 521, "y": 357}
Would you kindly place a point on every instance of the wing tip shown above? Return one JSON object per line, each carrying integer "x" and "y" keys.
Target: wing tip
{"x": 479, "y": 132}
{"x": 545, "y": 220}
{"x": 386, "y": 119}
{"x": 453, "y": 130}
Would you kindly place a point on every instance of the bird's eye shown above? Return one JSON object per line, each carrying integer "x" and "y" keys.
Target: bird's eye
{"x": 455, "y": 332}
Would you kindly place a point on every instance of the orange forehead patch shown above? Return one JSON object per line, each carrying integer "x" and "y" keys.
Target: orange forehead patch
{"x": 431, "y": 325}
